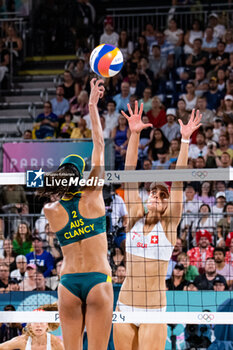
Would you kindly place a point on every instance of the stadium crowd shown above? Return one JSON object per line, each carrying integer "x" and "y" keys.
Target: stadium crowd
{"x": 171, "y": 72}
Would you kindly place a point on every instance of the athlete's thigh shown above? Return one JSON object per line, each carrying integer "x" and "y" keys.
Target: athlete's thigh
{"x": 72, "y": 319}
{"x": 152, "y": 336}
{"x": 125, "y": 336}
{"x": 98, "y": 316}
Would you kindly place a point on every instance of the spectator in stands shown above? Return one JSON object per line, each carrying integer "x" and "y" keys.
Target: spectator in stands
{"x": 224, "y": 146}
{"x": 22, "y": 242}
{"x": 225, "y": 161}
{"x": 198, "y": 58}
{"x": 213, "y": 96}
{"x": 220, "y": 58}
{"x": 133, "y": 61}
{"x": 174, "y": 36}
{"x": 142, "y": 45}
{"x": 167, "y": 49}
{"x": 222, "y": 268}
{"x": 116, "y": 257}
{"x": 111, "y": 115}
{"x": 145, "y": 138}
{"x": 191, "y": 35}
{"x": 13, "y": 199}
{"x": 198, "y": 255}
{"x": 190, "y": 205}
{"x": 205, "y": 194}
{"x": 220, "y": 284}
{"x": 230, "y": 133}
{"x": 171, "y": 129}
{"x": 205, "y": 281}
{"x": 50, "y": 243}
{"x": 46, "y": 123}
{"x": 44, "y": 260}
{"x": 158, "y": 144}
{"x": 4, "y": 278}
{"x": 227, "y": 222}
{"x": 229, "y": 254}
{"x": 219, "y": 29}
{"x": 225, "y": 111}
{"x": 209, "y": 43}
{"x": 120, "y": 135}
{"x": 29, "y": 281}
{"x": 80, "y": 72}
{"x": 9, "y": 330}
{"x": 9, "y": 257}
{"x": 220, "y": 242}
{"x": 136, "y": 87}
{"x": 162, "y": 162}
{"x": 177, "y": 281}
{"x": 13, "y": 43}
{"x": 190, "y": 287}
{"x": 125, "y": 45}
{"x": 209, "y": 134}
{"x": 158, "y": 65}
{"x": 79, "y": 104}
{"x": 200, "y": 81}
{"x": 207, "y": 114}
{"x": 174, "y": 150}
{"x": 217, "y": 209}
{"x": 67, "y": 127}
{"x": 119, "y": 214}
{"x": 205, "y": 220}
{"x": 120, "y": 274}
{"x": 41, "y": 282}
{"x": 71, "y": 88}
{"x": 157, "y": 114}
{"x": 146, "y": 100}
{"x": 4, "y": 60}
{"x": 228, "y": 39}
{"x": 150, "y": 34}
{"x": 181, "y": 112}
{"x": 53, "y": 282}
{"x": 199, "y": 162}
{"x": 81, "y": 132}
{"x": 145, "y": 75}
{"x": 27, "y": 135}
{"x": 190, "y": 98}
{"x": 21, "y": 264}
{"x": 218, "y": 128}
{"x": 109, "y": 36}
{"x": 200, "y": 149}
{"x": 190, "y": 270}
{"x": 122, "y": 98}
{"x": 106, "y": 130}
{"x": 221, "y": 76}
{"x": 60, "y": 105}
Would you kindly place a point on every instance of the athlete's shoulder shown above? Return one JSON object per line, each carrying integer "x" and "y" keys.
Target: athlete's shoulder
{"x": 51, "y": 208}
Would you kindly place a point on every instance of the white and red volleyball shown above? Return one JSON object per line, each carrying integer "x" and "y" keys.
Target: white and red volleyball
{"x": 106, "y": 60}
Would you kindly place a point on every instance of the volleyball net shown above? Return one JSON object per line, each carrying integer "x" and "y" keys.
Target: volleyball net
{"x": 187, "y": 305}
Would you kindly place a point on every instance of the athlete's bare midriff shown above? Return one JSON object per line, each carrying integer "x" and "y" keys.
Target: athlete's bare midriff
{"x": 88, "y": 255}
{"x": 144, "y": 285}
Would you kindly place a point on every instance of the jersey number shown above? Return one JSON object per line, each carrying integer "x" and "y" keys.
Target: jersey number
{"x": 74, "y": 214}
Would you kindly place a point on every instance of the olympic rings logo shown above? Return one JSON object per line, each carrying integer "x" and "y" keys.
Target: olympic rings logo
{"x": 200, "y": 174}
{"x": 205, "y": 317}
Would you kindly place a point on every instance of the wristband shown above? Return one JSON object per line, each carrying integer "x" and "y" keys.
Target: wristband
{"x": 185, "y": 141}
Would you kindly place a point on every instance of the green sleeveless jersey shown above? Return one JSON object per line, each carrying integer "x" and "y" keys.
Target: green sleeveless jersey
{"x": 78, "y": 227}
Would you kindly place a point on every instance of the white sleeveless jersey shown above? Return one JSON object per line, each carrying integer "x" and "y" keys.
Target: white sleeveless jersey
{"x": 154, "y": 245}
{"x": 29, "y": 343}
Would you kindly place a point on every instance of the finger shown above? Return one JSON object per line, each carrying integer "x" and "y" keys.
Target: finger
{"x": 197, "y": 127}
{"x": 136, "y": 107}
{"x": 125, "y": 115}
{"x": 129, "y": 109}
{"x": 148, "y": 125}
{"x": 101, "y": 94}
{"x": 100, "y": 81}
{"x": 101, "y": 88}
{"x": 93, "y": 82}
{"x": 141, "y": 110}
{"x": 197, "y": 114}
{"x": 180, "y": 122}
{"x": 192, "y": 115}
{"x": 198, "y": 119}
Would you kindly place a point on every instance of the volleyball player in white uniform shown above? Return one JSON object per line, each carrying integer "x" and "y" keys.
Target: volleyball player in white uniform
{"x": 35, "y": 338}
{"x": 149, "y": 243}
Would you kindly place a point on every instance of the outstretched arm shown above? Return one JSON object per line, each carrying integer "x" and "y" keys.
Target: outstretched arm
{"x": 176, "y": 196}
{"x": 15, "y": 343}
{"x": 97, "y": 160}
{"x": 132, "y": 198}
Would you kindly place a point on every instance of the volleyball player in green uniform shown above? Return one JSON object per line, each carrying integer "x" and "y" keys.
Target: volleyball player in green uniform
{"x": 85, "y": 294}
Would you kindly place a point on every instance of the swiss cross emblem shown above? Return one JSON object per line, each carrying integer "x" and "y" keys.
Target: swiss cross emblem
{"x": 154, "y": 240}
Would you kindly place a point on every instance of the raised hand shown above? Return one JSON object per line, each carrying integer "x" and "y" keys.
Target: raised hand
{"x": 134, "y": 120}
{"x": 97, "y": 90}
{"x": 193, "y": 124}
